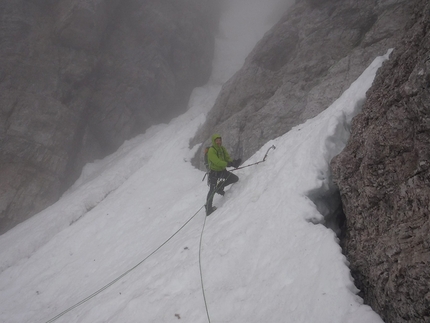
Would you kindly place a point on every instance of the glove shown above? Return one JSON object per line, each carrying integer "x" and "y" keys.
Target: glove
{"x": 236, "y": 163}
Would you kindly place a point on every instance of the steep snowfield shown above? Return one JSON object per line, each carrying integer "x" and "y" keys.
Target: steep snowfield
{"x": 130, "y": 242}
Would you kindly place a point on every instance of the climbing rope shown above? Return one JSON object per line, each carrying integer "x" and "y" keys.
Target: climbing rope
{"x": 201, "y": 273}
{"x": 122, "y": 275}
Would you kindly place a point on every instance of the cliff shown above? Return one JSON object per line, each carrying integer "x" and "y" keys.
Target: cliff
{"x": 77, "y": 78}
{"x": 305, "y": 62}
{"x": 384, "y": 179}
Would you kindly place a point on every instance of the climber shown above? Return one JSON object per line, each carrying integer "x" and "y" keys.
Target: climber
{"x": 219, "y": 177}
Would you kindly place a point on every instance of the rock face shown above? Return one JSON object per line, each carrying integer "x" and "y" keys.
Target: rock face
{"x": 300, "y": 67}
{"x": 384, "y": 179}
{"x": 78, "y": 77}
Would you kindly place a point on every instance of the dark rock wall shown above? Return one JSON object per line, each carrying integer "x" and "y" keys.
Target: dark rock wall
{"x": 300, "y": 67}
{"x": 77, "y": 78}
{"x": 384, "y": 179}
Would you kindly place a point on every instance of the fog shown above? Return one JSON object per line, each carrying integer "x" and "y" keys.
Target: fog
{"x": 130, "y": 242}
{"x": 242, "y": 25}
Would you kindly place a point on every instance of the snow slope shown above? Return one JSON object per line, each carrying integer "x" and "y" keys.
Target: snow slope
{"x": 130, "y": 242}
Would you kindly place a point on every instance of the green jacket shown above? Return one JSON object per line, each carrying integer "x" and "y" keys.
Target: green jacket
{"x": 218, "y": 156}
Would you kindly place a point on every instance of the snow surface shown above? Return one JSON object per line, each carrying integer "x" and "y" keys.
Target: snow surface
{"x": 130, "y": 242}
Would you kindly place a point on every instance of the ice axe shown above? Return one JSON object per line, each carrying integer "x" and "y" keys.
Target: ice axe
{"x": 259, "y": 162}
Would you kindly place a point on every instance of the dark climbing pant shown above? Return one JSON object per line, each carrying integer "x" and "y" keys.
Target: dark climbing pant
{"x": 217, "y": 182}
